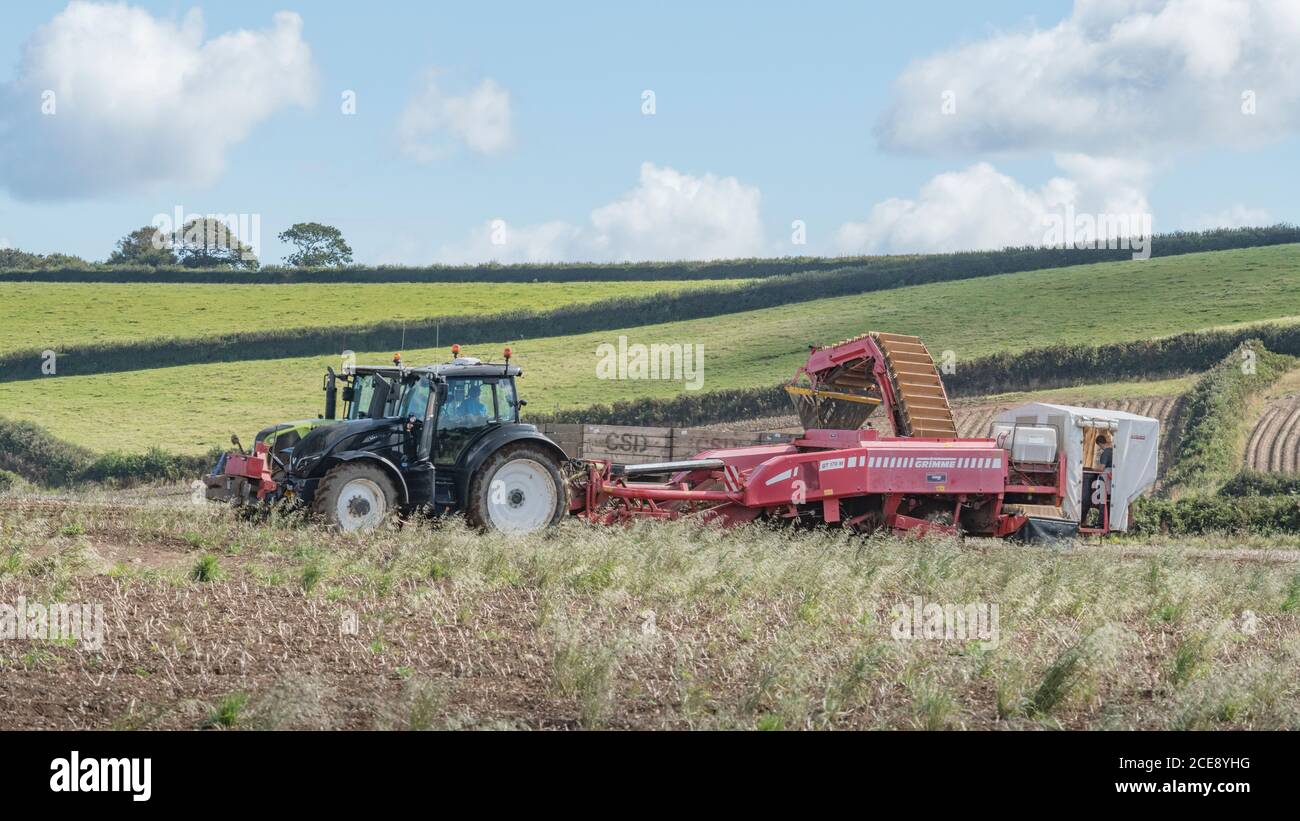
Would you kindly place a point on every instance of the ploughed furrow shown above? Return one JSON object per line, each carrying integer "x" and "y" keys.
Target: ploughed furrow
{"x": 921, "y": 397}
{"x": 1283, "y": 456}
{"x": 1261, "y": 436}
{"x": 973, "y": 421}
{"x": 1164, "y": 409}
{"x": 1273, "y": 437}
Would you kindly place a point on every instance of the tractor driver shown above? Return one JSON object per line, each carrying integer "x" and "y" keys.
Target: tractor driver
{"x": 470, "y": 411}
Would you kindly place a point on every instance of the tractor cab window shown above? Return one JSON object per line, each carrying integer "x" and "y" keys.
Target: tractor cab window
{"x": 363, "y": 390}
{"x": 363, "y": 397}
{"x": 415, "y": 401}
{"x": 505, "y": 401}
{"x": 471, "y": 405}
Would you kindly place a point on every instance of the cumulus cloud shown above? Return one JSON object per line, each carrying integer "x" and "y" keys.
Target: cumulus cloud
{"x": 434, "y": 120}
{"x": 669, "y": 215}
{"x": 1116, "y": 77}
{"x": 108, "y": 97}
{"x": 1238, "y": 216}
{"x": 1113, "y": 92}
{"x": 982, "y": 208}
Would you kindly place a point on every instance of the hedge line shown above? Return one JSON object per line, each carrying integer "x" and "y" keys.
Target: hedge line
{"x": 558, "y": 272}
{"x": 1253, "y": 483}
{"x": 32, "y": 452}
{"x": 1007, "y": 259}
{"x": 1195, "y": 515}
{"x": 1214, "y": 417}
{"x": 882, "y": 274}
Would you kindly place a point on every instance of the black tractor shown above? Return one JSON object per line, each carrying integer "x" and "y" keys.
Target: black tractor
{"x": 433, "y": 439}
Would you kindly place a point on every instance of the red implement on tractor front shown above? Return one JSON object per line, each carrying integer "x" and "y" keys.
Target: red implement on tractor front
{"x": 242, "y": 477}
{"x": 923, "y": 478}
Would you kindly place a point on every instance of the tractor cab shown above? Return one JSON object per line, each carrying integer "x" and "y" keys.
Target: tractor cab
{"x": 367, "y": 391}
{"x": 447, "y": 408}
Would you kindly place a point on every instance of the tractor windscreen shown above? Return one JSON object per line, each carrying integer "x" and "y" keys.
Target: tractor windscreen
{"x": 415, "y": 400}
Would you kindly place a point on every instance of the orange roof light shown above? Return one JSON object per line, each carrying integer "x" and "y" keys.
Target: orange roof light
{"x": 397, "y": 359}
{"x": 455, "y": 350}
{"x": 508, "y": 353}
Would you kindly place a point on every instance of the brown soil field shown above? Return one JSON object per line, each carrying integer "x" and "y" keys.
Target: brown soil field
{"x": 215, "y": 622}
{"x": 1274, "y": 442}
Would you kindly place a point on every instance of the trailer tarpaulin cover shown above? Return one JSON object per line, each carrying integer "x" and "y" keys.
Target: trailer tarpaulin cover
{"x": 1037, "y": 530}
{"x": 1137, "y": 447}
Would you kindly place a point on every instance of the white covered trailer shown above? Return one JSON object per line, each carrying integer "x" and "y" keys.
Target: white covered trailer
{"x": 1134, "y": 461}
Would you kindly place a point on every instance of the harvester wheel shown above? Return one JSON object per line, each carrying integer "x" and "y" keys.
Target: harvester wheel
{"x": 354, "y": 496}
{"x": 517, "y": 490}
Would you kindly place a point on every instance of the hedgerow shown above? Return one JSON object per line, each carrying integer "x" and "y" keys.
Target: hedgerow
{"x": 38, "y": 456}
{"x": 32, "y": 452}
{"x": 1214, "y": 416}
{"x": 1194, "y": 515}
{"x": 920, "y": 267}
{"x": 870, "y": 274}
{"x": 1254, "y": 483}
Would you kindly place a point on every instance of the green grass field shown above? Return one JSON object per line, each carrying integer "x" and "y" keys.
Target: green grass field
{"x": 55, "y": 315}
{"x": 192, "y": 408}
{"x": 1100, "y": 391}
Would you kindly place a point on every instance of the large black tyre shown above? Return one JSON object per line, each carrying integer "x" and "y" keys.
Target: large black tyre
{"x": 518, "y": 489}
{"x": 355, "y": 496}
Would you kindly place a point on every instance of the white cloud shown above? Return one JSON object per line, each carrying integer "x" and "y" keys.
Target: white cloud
{"x": 1118, "y": 77}
{"x": 432, "y": 119}
{"x": 140, "y": 100}
{"x": 982, "y": 208}
{"x": 1114, "y": 91}
{"x": 668, "y": 216}
{"x": 671, "y": 215}
{"x": 1238, "y": 216}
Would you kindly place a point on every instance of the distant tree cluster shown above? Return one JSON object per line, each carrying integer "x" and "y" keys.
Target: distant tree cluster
{"x": 200, "y": 243}
{"x": 13, "y": 258}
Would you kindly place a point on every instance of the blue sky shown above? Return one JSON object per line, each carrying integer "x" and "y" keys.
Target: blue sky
{"x": 765, "y": 113}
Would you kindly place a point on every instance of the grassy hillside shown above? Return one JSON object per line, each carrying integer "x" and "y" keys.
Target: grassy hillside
{"x": 238, "y": 343}
{"x": 1096, "y": 392}
{"x": 55, "y": 315}
{"x": 191, "y": 408}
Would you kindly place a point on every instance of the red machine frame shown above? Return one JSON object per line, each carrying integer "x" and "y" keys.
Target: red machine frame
{"x": 854, "y": 478}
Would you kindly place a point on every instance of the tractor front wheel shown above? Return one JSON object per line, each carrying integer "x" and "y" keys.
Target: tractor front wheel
{"x": 517, "y": 490}
{"x": 354, "y": 496}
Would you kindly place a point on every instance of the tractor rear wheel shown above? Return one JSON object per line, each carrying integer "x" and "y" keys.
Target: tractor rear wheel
{"x": 354, "y": 496}
{"x": 518, "y": 489}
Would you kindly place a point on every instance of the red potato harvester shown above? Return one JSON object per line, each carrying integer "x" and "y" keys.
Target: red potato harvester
{"x": 923, "y": 478}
